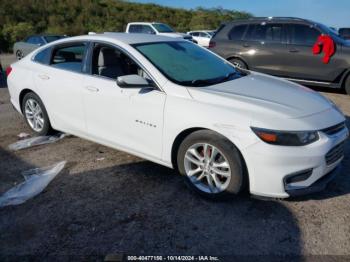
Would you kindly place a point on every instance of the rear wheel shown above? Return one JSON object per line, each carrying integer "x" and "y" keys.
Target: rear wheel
{"x": 238, "y": 63}
{"x": 347, "y": 85}
{"x": 211, "y": 164}
{"x": 19, "y": 54}
{"x": 35, "y": 114}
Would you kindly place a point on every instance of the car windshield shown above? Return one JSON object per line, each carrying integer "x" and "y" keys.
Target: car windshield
{"x": 52, "y": 38}
{"x": 187, "y": 64}
{"x": 163, "y": 28}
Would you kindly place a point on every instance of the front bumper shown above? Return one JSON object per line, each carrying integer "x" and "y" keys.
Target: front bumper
{"x": 318, "y": 186}
{"x": 269, "y": 166}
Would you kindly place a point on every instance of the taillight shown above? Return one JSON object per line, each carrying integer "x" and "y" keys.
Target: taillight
{"x": 8, "y": 71}
{"x": 212, "y": 44}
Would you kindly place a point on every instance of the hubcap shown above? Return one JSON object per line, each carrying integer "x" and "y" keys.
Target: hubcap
{"x": 237, "y": 64}
{"x": 34, "y": 115}
{"x": 207, "y": 168}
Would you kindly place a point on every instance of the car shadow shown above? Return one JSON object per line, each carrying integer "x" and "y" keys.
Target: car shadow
{"x": 141, "y": 208}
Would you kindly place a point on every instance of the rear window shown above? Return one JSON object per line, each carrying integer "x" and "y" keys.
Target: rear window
{"x": 43, "y": 57}
{"x": 52, "y": 38}
{"x": 303, "y": 35}
{"x": 69, "y": 57}
{"x": 237, "y": 32}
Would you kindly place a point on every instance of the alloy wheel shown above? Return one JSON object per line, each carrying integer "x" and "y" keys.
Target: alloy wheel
{"x": 207, "y": 168}
{"x": 34, "y": 115}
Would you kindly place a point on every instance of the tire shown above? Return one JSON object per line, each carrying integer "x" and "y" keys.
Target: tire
{"x": 238, "y": 63}
{"x": 19, "y": 54}
{"x": 226, "y": 160}
{"x": 35, "y": 114}
{"x": 347, "y": 85}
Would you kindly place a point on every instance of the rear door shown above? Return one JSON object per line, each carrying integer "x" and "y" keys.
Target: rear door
{"x": 264, "y": 46}
{"x": 302, "y": 63}
{"x": 60, "y": 85}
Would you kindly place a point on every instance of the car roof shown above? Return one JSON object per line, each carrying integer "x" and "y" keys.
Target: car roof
{"x": 271, "y": 19}
{"x": 126, "y": 38}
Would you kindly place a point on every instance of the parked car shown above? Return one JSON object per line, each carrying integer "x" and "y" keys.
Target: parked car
{"x": 345, "y": 33}
{"x": 202, "y": 37}
{"x": 282, "y": 47}
{"x": 155, "y": 29}
{"x": 177, "y": 104}
{"x": 22, "y": 48}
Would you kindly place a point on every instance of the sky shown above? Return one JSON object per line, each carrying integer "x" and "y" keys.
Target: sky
{"x": 334, "y": 13}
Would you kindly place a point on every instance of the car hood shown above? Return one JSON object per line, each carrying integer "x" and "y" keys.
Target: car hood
{"x": 260, "y": 94}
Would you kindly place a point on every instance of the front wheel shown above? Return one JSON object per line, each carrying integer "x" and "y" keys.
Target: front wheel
{"x": 35, "y": 114}
{"x": 347, "y": 85}
{"x": 211, "y": 165}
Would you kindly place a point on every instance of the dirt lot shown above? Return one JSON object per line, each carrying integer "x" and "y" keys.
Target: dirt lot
{"x": 123, "y": 204}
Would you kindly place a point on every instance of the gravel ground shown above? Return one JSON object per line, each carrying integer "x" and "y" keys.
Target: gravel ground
{"x": 108, "y": 202}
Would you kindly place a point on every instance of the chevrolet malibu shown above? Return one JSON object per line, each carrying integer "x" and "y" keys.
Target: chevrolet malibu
{"x": 174, "y": 103}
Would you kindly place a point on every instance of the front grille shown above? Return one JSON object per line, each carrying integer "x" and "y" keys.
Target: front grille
{"x": 334, "y": 129}
{"x": 335, "y": 154}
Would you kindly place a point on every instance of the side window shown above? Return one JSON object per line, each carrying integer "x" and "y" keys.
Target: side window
{"x": 303, "y": 35}
{"x": 69, "y": 57}
{"x": 110, "y": 62}
{"x": 266, "y": 33}
{"x": 134, "y": 29}
{"x": 195, "y": 34}
{"x": 201, "y": 34}
{"x": 237, "y": 32}
{"x": 146, "y": 29}
{"x": 40, "y": 41}
{"x": 43, "y": 57}
{"x": 31, "y": 40}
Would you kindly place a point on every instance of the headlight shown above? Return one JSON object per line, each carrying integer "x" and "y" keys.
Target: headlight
{"x": 286, "y": 138}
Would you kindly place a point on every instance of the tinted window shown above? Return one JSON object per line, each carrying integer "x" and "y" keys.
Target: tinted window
{"x": 43, "y": 56}
{"x": 195, "y": 34}
{"x": 144, "y": 29}
{"x": 134, "y": 29}
{"x": 52, "y": 38}
{"x": 163, "y": 28}
{"x": 237, "y": 32}
{"x": 303, "y": 35}
{"x": 69, "y": 57}
{"x": 187, "y": 64}
{"x": 32, "y": 40}
{"x": 265, "y": 33}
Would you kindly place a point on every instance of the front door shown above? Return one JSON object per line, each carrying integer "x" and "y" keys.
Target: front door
{"x": 129, "y": 118}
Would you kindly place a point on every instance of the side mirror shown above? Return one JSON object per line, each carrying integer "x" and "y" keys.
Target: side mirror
{"x": 133, "y": 81}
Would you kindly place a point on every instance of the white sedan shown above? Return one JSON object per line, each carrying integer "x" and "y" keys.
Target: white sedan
{"x": 202, "y": 37}
{"x": 180, "y": 105}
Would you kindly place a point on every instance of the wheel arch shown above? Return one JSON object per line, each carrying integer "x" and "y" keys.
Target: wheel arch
{"x": 183, "y": 134}
{"x": 21, "y": 96}
{"x": 345, "y": 77}
{"x": 239, "y": 58}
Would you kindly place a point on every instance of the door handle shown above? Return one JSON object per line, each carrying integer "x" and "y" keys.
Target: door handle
{"x": 44, "y": 77}
{"x": 92, "y": 88}
{"x": 293, "y": 50}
